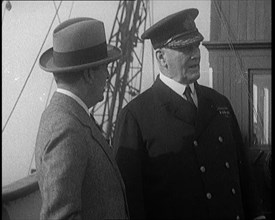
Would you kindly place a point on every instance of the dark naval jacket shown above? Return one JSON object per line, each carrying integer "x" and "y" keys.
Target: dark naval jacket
{"x": 180, "y": 163}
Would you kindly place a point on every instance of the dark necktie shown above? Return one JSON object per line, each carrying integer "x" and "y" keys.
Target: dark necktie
{"x": 100, "y": 129}
{"x": 187, "y": 94}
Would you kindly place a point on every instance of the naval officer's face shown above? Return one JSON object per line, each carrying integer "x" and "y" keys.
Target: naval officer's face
{"x": 184, "y": 63}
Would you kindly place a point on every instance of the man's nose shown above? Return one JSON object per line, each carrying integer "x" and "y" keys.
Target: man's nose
{"x": 196, "y": 53}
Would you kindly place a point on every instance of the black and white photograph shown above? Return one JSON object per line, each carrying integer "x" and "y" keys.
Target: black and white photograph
{"x": 136, "y": 109}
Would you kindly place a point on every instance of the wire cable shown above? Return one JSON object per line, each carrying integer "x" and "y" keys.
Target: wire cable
{"x": 3, "y": 129}
{"x": 48, "y": 97}
{"x": 56, "y": 11}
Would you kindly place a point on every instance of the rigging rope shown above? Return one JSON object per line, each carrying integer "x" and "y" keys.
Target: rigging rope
{"x": 48, "y": 97}
{"x": 56, "y": 12}
{"x": 3, "y": 129}
{"x": 71, "y": 9}
{"x": 49, "y": 93}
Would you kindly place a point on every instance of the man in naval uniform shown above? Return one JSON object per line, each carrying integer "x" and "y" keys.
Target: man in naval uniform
{"x": 179, "y": 146}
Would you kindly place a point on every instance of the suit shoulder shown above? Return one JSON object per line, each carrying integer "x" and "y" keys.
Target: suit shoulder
{"x": 142, "y": 101}
{"x": 213, "y": 95}
{"x": 55, "y": 118}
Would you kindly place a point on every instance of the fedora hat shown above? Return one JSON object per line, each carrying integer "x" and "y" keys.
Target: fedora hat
{"x": 175, "y": 31}
{"x": 78, "y": 43}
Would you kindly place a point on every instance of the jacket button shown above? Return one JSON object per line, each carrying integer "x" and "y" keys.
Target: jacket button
{"x": 195, "y": 143}
{"x": 208, "y": 195}
{"x": 202, "y": 168}
{"x": 220, "y": 139}
{"x": 227, "y": 165}
{"x": 233, "y": 191}
{"x": 238, "y": 217}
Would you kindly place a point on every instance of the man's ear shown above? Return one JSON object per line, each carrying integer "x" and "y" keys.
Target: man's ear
{"x": 161, "y": 57}
{"x": 88, "y": 75}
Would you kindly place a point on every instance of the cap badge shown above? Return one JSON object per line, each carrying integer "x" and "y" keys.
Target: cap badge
{"x": 224, "y": 111}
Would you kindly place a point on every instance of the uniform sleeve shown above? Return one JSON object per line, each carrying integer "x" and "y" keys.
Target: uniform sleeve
{"x": 130, "y": 154}
{"x": 63, "y": 165}
{"x": 250, "y": 196}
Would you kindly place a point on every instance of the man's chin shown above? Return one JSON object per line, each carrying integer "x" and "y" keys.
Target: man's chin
{"x": 195, "y": 77}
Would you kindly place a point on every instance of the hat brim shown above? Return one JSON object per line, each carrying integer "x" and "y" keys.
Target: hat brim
{"x": 46, "y": 61}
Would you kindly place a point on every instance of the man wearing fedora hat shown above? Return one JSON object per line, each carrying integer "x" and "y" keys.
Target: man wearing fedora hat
{"x": 179, "y": 146}
{"x": 77, "y": 174}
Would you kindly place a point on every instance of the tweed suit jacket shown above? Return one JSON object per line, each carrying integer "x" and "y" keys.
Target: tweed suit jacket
{"x": 77, "y": 174}
{"x": 179, "y": 163}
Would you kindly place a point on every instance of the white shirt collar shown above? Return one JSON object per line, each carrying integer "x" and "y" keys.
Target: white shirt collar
{"x": 75, "y": 97}
{"x": 175, "y": 86}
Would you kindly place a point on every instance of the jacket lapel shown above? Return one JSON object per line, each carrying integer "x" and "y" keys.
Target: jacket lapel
{"x": 174, "y": 104}
{"x": 181, "y": 109}
{"x": 98, "y": 136}
{"x": 74, "y": 108}
{"x": 206, "y": 110}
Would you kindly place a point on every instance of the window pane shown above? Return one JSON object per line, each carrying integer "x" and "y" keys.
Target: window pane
{"x": 261, "y": 107}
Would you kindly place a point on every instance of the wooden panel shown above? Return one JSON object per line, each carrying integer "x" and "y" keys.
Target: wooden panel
{"x": 253, "y": 62}
{"x": 242, "y": 20}
{"x": 233, "y": 72}
{"x": 220, "y": 74}
{"x": 260, "y": 25}
{"x": 215, "y": 71}
{"x": 238, "y": 90}
{"x": 234, "y": 5}
{"x": 225, "y": 20}
{"x": 248, "y": 20}
{"x": 267, "y": 14}
{"x": 244, "y": 105}
{"x": 215, "y": 26}
{"x": 226, "y": 77}
{"x": 251, "y": 19}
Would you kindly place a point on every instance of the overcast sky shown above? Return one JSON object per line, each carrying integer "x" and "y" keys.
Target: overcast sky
{"x": 24, "y": 29}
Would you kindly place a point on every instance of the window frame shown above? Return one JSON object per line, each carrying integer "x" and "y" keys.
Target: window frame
{"x": 251, "y": 74}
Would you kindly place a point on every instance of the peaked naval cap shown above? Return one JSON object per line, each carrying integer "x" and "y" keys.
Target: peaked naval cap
{"x": 175, "y": 31}
{"x": 78, "y": 43}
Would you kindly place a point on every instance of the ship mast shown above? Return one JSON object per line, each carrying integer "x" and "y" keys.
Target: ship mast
{"x": 126, "y": 73}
